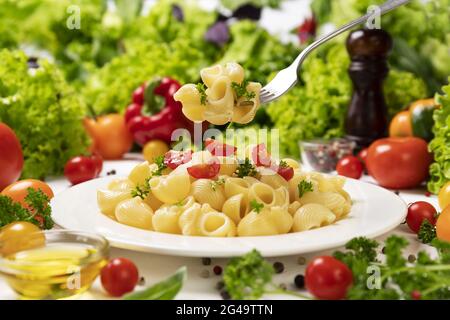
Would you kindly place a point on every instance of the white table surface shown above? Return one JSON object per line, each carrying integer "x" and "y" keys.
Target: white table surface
{"x": 157, "y": 267}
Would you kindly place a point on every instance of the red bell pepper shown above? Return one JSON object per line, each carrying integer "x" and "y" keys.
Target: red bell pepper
{"x": 154, "y": 114}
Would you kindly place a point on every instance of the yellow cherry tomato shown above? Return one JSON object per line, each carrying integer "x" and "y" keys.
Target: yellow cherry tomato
{"x": 443, "y": 225}
{"x": 154, "y": 149}
{"x": 19, "y": 236}
{"x": 401, "y": 125}
{"x": 444, "y": 196}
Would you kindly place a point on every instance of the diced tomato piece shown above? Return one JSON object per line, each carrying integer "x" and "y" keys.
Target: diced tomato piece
{"x": 286, "y": 172}
{"x": 219, "y": 149}
{"x": 173, "y": 159}
{"x": 204, "y": 170}
{"x": 260, "y": 156}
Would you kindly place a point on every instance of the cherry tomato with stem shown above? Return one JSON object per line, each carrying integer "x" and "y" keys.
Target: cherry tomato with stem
{"x": 418, "y": 212}
{"x": 119, "y": 276}
{"x": 350, "y": 167}
{"x": 328, "y": 278}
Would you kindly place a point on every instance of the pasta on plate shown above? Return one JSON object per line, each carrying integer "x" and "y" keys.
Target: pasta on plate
{"x": 224, "y": 96}
{"x": 198, "y": 198}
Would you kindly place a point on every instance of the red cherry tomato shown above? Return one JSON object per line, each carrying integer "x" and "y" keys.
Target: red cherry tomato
{"x": 11, "y": 156}
{"x": 286, "y": 172}
{"x": 119, "y": 276}
{"x": 350, "y": 166}
{"x": 204, "y": 170}
{"x": 80, "y": 169}
{"x": 173, "y": 159}
{"x": 139, "y": 95}
{"x": 362, "y": 155}
{"x": 219, "y": 149}
{"x": 98, "y": 160}
{"x": 261, "y": 156}
{"x": 399, "y": 163}
{"x": 328, "y": 278}
{"x": 419, "y": 211}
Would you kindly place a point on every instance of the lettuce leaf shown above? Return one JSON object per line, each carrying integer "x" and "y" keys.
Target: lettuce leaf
{"x": 44, "y": 111}
{"x": 439, "y": 146}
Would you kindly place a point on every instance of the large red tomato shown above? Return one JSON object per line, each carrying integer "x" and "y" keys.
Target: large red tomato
{"x": 11, "y": 157}
{"x": 399, "y": 163}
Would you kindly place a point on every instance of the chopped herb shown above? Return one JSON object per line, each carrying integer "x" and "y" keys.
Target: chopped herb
{"x": 246, "y": 169}
{"x": 202, "y": 90}
{"x": 427, "y": 232}
{"x": 159, "y": 161}
{"x": 241, "y": 90}
{"x": 143, "y": 190}
{"x": 38, "y": 211}
{"x": 216, "y": 183}
{"x": 303, "y": 187}
{"x": 283, "y": 164}
{"x": 256, "y": 206}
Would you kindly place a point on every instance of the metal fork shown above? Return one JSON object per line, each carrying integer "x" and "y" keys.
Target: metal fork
{"x": 287, "y": 78}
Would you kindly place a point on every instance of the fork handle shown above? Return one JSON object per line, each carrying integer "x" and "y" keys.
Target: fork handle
{"x": 384, "y": 8}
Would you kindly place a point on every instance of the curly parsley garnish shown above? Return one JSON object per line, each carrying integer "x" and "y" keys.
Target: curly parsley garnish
{"x": 303, "y": 187}
{"x": 37, "y": 212}
{"x": 427, "y": 232}
{"x": 241, "y": 90}
{"x": 202, "y": 90}
{"x": 143, "y": 190}
{"x": 246, "y": 169}
{"x": 256, "y": 206}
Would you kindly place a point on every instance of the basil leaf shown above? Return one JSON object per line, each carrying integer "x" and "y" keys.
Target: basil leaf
{"x": 164, "y": 290}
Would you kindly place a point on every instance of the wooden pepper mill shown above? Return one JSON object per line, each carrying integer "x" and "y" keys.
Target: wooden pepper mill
{"x": 367, "y": 118}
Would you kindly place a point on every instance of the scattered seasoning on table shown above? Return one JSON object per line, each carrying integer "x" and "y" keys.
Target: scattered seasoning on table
{"x": 206, "y": 261}
{"x": 428, "y": 194}
{"x": 204, "y": 273}
{"x": 415, "y": 295}
{"x": 278, "y": 267}
{"x": 225, "y": 295}
{"x": 141, "y": 281}
{"x": 220, "y": 285}
{"x": 411, "y": 258}
{"x": 299, "y": 281}
{"x": 217, "y": 270}
{"x": 301, "y": 261}
{"x": 397, "y": 192}
{"x": 110, "y": 173}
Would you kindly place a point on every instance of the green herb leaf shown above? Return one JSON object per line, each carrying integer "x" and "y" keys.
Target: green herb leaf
{"x": 241, "y": 90}
{"x": 164, "y": 290}
{"x": 427, "y": 232}
{"x": 246, "y": 169}
{"x": 202, "y": 90}
{"x": 256, "y": 206}
{"x": 303, "y": 187}
{"x": 159, "y": 161}
{"x": 216, "y": 183}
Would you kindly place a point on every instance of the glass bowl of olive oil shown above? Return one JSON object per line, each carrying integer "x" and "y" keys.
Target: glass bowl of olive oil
{"x": 55, "y": 264}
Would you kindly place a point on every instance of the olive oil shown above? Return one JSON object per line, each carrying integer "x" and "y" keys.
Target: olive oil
{"x": 53, "y": 271}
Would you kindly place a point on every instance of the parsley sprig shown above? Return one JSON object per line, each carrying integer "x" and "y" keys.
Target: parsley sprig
{"x": 144, "y": 189}
{"x": 256, "y": 206}
{"x": 241, "y": 90}
{"x": 245, "y": 169}
{"x": 202, "y": 90}
{"x": 427, "y": 232}
{"x": 303, "y": 187}
{"x": 38, "y": 211}
{"x": 216, "y": 183}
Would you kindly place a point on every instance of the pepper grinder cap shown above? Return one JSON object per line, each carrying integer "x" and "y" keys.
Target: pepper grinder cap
{"x": 366, "y": 44}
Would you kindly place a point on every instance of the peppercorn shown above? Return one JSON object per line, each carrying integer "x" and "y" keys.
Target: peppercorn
{"x": 299, "y": 281}
{"x": 204, "y": 273}
{"x": 278, "y": 267}
{"x": 217, "y": 270}
{"x": 225, "y": 295}
{"x": 220, "y": 285}
{"x": 206, "y": 261}
{"x": 411, "y": 258}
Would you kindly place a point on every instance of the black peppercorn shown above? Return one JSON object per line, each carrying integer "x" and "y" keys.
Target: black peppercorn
{"x": 299, "y": 281}
{"x": 278, "y": 267}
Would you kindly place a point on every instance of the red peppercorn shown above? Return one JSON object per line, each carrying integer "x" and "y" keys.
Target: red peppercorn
{"x": 428, "y": 194}
{"x": 415, "y": 295}
{"x": 217, "y": 270}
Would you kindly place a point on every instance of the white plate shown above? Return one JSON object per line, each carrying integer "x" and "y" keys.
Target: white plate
{"x": 375, "y": 211}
